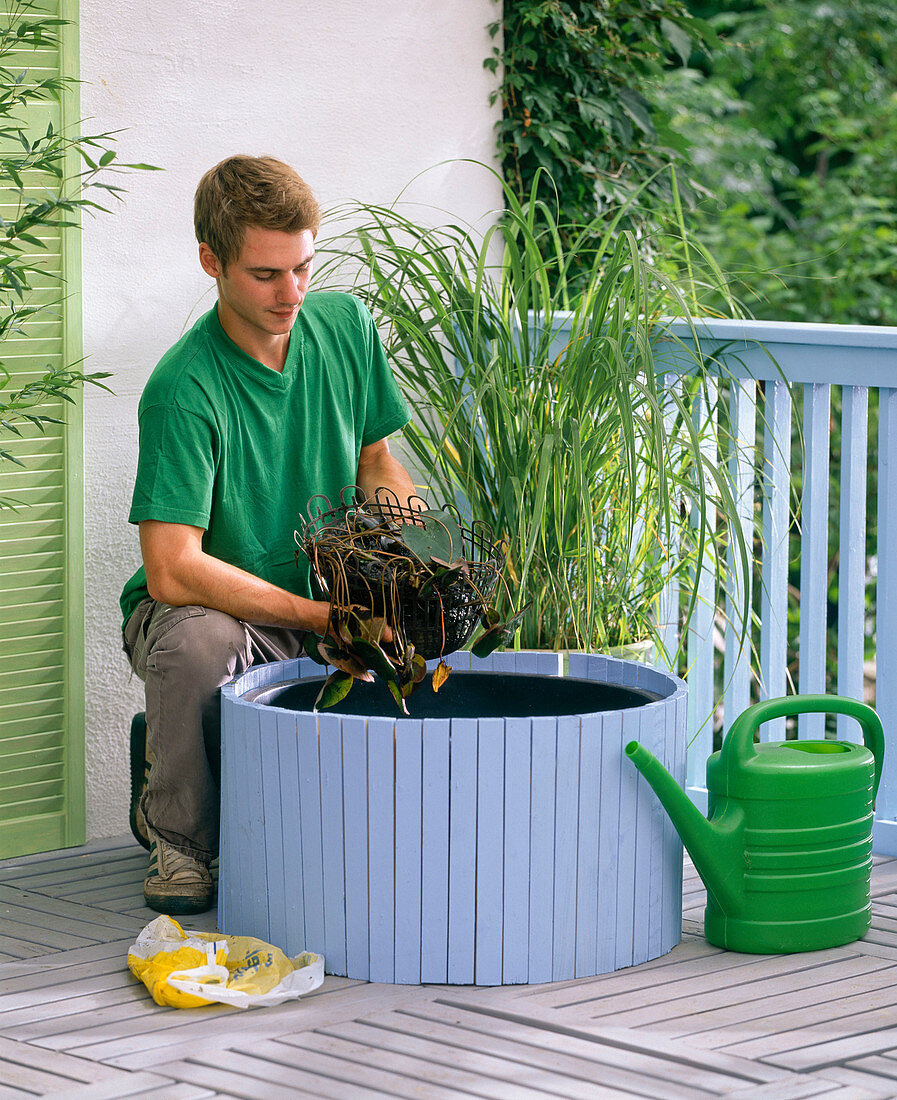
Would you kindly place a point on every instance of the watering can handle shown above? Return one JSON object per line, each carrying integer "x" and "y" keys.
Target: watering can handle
{"x": 739, "y": 744}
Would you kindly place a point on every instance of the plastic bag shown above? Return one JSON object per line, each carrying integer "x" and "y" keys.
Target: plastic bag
{"x": 189, "y": 969}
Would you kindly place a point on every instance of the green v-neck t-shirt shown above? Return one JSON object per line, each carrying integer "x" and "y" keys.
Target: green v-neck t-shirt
{"x": 238, "y": 449}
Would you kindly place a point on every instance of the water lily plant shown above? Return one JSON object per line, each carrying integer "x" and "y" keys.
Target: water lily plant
{"x": 405, "y": 585}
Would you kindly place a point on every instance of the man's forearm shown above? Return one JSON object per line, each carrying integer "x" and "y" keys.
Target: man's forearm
{"x": 180, "y": 573}
{"x": 383, "y": 470}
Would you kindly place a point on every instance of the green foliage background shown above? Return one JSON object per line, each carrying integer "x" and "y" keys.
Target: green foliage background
{"x": 779, "y": 116}
{"x": 791, "y": 118}
{"x": 579, "y": 106}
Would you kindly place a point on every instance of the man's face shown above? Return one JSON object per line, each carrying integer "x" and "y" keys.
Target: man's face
{"x": 261, "y": 291}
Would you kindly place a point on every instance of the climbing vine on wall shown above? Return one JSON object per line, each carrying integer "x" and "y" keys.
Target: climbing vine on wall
{"x": 573, "y": 83}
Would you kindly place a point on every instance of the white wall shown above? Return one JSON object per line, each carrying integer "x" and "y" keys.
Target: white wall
{"x": 359, "y": 95}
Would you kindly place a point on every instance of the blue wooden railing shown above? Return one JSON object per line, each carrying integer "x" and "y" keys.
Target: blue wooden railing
{"x": 785, "y": 374}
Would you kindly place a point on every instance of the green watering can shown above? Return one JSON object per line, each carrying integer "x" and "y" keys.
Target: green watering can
{"x": 786, "y": 854}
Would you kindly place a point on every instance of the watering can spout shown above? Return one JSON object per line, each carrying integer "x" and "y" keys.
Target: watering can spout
{"x": 716, "y": 847}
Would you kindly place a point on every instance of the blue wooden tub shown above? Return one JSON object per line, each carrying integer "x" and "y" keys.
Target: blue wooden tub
{"x": 489, "y": 850}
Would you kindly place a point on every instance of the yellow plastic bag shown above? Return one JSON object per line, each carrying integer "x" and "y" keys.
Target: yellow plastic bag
{"x": 188, "y": 969}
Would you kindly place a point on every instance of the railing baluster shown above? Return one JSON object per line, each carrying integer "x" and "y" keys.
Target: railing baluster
{"x": 700, "y": 658}
{"x": 814, "y": 552}
{"x": 885, "y": 836}
{"x": 774, "y": 568}
{"x": 852, "y": 552}
{"x": 737, "y": 663}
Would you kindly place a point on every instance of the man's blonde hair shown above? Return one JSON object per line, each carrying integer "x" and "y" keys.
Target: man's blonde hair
{"x": 243, "y": 191}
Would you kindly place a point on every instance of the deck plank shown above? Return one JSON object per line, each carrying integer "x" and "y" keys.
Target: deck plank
{"x": 712, "y": 1018}
{"x": 50, "y": 939}
{"x": 21, "y": 1063}
{"x": 832, "y": 1051}
{"x": 67, "y": 966}
{"x": 581, "y": 1062}
{"x": 310, "y": 1067}
{"x": 44, "y": 911}
{"x": 138, "y": 1046}
{"x": 754, "y": 995}
{"x": 424, "y": 1076}
{"x": 238, "y": 1084}
{"x": 621, "y": 1046}
{"x": 43, "y": 1015}
{"x": 862, "y": 1082}
{"x": 151, "y": 1086}
{"x": 495, "y": 1076}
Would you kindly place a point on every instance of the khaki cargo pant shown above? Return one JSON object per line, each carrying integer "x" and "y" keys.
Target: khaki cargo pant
{"x": 184, "y": 655}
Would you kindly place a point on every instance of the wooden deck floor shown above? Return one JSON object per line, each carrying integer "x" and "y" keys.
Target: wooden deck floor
{"x": 699, "y": 1022}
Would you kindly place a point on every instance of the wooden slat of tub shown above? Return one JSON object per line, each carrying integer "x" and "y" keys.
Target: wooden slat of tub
{"x": 355, "y": 781}
{"x": 310, "y": 829}
{"x": 542, "y": 848}
{"x": 381, "y": 847}
{"x": 293, "y": 870}
{"x": 627, "y": 838}
{"x": 227, "y": 839}
{"x": 651, "y": 818}
{"x": 566, "y": 823}
{"x": 608, "y": 852}
{"x": 515, "y": 887}
{"x": 671, "y": 875}
{"x": 462, "y": 847}
{"x": 435, "y": 852}
{"x": 330, "y": 748}
{"x": 409, "y": 753}
{"x": 588, "y": 919}
{"x": 489, "y": 851}
{"x": 272, "y": 853}
{"x": 253, "y": 869}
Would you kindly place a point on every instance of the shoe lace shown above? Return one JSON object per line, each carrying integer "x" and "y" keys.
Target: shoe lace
{"x": 165, "y": 856}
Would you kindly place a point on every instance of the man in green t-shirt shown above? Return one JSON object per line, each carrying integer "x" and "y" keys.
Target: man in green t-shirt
{"x": 275, "y": 395}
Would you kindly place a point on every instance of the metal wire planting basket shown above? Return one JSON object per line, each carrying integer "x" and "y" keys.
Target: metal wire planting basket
{"x": 358, "y": 557}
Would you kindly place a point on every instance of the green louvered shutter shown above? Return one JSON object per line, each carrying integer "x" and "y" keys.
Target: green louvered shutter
{"x": 41, "y": 586}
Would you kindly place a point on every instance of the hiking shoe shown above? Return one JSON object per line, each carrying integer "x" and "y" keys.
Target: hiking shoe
{"x": 176, "y": 883}
{"x": 140, "y": 769}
